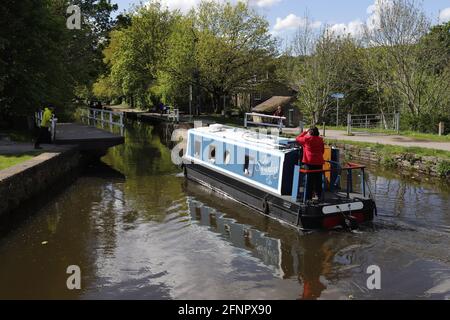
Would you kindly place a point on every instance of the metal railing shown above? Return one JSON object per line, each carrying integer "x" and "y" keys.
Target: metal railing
{"x": 279, "y": 120}
{"x": 105, "y": 116}
{"x": 174, "y": 115}
{"x": 386, "y": 121}
{"x": 53, "y": 122}
{"x": 302, "y": 175}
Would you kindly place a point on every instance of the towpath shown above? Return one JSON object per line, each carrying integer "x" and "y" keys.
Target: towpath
{"x": 396, "y": 140}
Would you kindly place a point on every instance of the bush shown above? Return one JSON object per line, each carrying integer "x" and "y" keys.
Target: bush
{"x": 426, "y": 123}
{"x": 443, "y": 168}
{"x": 388, "y": 162}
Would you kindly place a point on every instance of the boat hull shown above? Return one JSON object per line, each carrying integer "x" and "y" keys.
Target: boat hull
{"x": 305, "y": 217}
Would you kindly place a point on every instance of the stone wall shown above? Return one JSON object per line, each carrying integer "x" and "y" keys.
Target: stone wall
{"x": 22, "y": 182}
{"x": 428, "y": 165}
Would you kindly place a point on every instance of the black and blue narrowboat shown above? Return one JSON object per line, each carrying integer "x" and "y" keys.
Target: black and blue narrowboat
{"x": 265, "y": 173}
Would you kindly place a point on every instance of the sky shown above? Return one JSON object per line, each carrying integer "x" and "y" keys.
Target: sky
{"x": 342, "y": 16}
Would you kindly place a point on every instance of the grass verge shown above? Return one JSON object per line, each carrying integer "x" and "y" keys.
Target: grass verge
{"x": 10, "y": 160}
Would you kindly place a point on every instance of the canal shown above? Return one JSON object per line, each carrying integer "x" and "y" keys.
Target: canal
{"x": 138, "y": 230}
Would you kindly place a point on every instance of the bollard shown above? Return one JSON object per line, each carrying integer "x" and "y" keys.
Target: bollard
{"x": 349, "y": 124}
{"x": 441, "y": 128}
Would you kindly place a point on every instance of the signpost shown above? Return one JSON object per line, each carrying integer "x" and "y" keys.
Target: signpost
{"x": 337, "y": 96}
{"x": 190, "y": 99}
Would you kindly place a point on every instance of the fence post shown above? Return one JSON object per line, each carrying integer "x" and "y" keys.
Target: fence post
{"x": 349, "y": 124}
{"x": 245, "y": 121}
{"x": 397, "y": 122}
{"x": 441, "y": 128}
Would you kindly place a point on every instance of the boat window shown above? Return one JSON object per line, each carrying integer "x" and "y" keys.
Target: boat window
{"x": 248, "y": 165}
{"x": 212, "y": 153}
{"x": 227, "y": 157}
{"x": 197, "y": 149}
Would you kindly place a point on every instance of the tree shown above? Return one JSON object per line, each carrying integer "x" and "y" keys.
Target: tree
{"x": 32, "y": 70}
{"x": 219, "y": 48}
{"x": 415, "y": 67}
{"x": 316, "y": 77}
{"x": 135, "y": 53}
{"x": 377, "y": 75}
{"x": 305, "y": 38}
{"x": 41, "y": 61}
{"x": 400, "y": 27}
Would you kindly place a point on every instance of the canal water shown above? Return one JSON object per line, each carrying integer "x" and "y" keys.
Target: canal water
{"x": 138, "y": 230}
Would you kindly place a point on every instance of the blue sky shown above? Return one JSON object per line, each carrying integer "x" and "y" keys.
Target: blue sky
{"x": 342, "y": 15}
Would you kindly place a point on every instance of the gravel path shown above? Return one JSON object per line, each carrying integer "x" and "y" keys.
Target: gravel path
{"x": 396, "y": 140}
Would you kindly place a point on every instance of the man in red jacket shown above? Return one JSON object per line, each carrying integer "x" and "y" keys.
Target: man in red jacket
{"x": 313, "y": 148}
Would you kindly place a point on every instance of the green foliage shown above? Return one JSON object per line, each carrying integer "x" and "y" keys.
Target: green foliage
{"x": 41, "y": 60}
{"x": 7, "y": 161}
{"x": 402, "y": 67}
{"x": 443, "y": 168}
{"x": 216, "y": 48}
{"x": 388, "y": 161}
{"x": 135, "y": 54}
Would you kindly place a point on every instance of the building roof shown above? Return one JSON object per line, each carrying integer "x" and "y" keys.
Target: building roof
{"x": 272, "y": 104}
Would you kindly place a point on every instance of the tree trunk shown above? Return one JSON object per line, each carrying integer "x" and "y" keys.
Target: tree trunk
{"x": 216, "y": 102}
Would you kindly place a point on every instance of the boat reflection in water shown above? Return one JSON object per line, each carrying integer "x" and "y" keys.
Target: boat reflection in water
{"x": 267, "y": 249}
{"x": 309, "y": 258}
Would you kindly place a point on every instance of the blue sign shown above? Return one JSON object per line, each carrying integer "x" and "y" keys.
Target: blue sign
{"x": 338, "y": 95}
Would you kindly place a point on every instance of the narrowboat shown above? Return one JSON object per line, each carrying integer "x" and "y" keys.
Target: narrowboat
{"x": 265, "y": 173}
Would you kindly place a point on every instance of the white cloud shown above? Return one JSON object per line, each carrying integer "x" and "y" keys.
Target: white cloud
{"x": 374, "y": 12}
{"x": 182, "y": 5}
{"x": 292, "y": 22}
{"x": 354, "y": 28}
{"x": 185, "y": 5}
{"x": 444, "y": 15}
{"x": 263, "y": 3}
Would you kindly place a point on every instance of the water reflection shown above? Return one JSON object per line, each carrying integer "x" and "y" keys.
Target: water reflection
{"x": 420, "y": 202}
{"x": 310, "y": 259}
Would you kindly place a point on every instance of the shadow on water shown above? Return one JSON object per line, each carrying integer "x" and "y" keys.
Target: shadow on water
{"x": 138, "y": 230}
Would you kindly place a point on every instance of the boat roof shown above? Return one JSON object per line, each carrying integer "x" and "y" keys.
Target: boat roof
{"x": 250, "y": 137}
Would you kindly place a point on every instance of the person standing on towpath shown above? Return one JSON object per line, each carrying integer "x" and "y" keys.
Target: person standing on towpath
{"x": 44, "y": 133}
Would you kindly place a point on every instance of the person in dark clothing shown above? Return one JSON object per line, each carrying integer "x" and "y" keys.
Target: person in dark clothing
{"x": 278, "y": 113}
{"x": 44, "y": 135}
{"x": 313, "y": 149}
